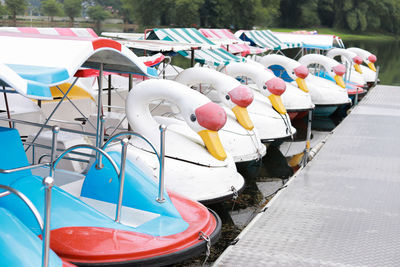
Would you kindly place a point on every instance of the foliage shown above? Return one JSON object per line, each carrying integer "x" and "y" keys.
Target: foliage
{"x": 267, "y": 12}
{"x": 72, "y": 8}
{"x": 187, "y": 12}
{"x": 15, "y": 7}
{"x": 51, "y": 8}
{"x": 97, "y": 13}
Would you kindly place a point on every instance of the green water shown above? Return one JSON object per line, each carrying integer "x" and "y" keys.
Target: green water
{"x": 388, "y": 54}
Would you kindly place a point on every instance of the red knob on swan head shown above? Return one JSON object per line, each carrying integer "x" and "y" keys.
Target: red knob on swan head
{"x": 301, "y": 71}
{"x": 357, "y": 60}
{"x": 241, "y": 96}
{"x": 339, "y": 69}
{"x": 372, "y": 58}
{"x": 211, "y": 116}
{"x": 276, "y": 86}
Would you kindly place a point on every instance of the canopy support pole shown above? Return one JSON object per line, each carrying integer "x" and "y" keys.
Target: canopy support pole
{"x": 72, "y": 103}
{"x": 7, "y": 107}
{"x": 99, "y": 134}
{"x": 109, "y": 93}
{"x": 192, "y": 57}
{"x": 52, "y": 113}
{"x": 130, "y": 85}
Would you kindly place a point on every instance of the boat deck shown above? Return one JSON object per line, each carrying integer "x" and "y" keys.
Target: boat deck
{"x": 343, "y": 208}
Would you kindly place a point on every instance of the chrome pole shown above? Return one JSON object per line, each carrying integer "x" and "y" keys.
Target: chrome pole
{"x": 307, "y": 149}
{"x": 99, "y": 163}
{"x": 124, "y": 143}
{"x": 55, "y": 130}
{"x": 160, "y": 197}
{"x": 48, "y": 184}
{"x": 99, "y": 109}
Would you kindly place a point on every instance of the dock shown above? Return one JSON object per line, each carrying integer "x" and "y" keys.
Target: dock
{"x": 343, "y": 208}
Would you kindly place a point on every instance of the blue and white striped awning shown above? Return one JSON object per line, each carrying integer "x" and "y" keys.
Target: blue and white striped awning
{"x": 265, "y": 39}
{"x": 216, "y": 56}
{"x": 311, "y": 40}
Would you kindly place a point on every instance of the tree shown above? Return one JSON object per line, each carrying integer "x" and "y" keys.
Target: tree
{"x": 15, "y": 7}
{"x": 97, "y": 13}
{"x": 72, "y": 8}
{"x": 309, "y": 14}
{"x": 51, "y": 8}
{"x": 187, "y": 12}
{"x": 267, "y": 12}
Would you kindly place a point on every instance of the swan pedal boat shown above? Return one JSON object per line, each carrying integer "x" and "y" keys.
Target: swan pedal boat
{"x": 196, "y": 163}
{"x": 270, "y": 124}
{"x": 261, "y": 79}
{"x": 369, "y": 72}
{"x": 324, "y": 95}
{"x": 83, "y": 229}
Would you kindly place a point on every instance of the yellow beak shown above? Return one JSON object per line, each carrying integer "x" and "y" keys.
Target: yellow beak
{"x": 339, "y": 81}
{"x": 372, "y": 66}
{"x": 301, "y": 83}
{"x": 276, "y": 102}
{"x": 243, "y": 117}
{"x": 358, "y": 68}
{"x": 213, "y": 144}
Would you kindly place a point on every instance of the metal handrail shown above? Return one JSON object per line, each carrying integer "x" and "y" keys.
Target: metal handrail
{"x": 44, "y": 226}
{"x": 29, "y": 167}
{"x": 160, "y": 156}
{"x": 47, "y": 126}
{"x": 87, "y": 146}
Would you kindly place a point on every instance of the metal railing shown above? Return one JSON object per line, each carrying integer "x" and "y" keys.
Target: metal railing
{"x": 43, "y": 224}
{"x": 160, "y": 157}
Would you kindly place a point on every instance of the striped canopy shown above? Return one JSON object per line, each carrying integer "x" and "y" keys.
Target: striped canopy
{"x": 311, "y": 39}
{"x": 216, "y": 56}
{"x": 34, "y": 59}
{"x": 265, "y": 39}
{"x": 236, "y": 47}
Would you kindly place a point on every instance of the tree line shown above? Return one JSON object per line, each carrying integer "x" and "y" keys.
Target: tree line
{"x": 353, "y": 15}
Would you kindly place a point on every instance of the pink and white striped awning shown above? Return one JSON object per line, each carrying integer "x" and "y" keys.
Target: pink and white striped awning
{"x": 233, "y": 45}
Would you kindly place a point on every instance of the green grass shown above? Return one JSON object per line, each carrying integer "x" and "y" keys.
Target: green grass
{"x": 345, "y": 35}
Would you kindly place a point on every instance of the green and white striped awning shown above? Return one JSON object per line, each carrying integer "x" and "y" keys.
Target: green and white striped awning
{"x": 265, "y": 39}
{"x": 216, "y": 56}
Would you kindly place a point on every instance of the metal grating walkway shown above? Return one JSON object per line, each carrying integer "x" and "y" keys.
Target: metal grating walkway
{"x": 343, "y": 209}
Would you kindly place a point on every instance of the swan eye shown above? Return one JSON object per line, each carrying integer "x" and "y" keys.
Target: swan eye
{"x": 227, "y": 97}
{"x": 193, "y": 117}
{"x": 293, "y": 72}
{"x": 264, "y": 87}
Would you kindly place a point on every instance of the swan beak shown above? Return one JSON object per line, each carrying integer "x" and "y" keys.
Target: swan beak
{"x": 372, "y": 66}
{"x": 277, "y": 103}
{"x": 358, "y": 68}
{"x": 213, "y": 144}
{"x": 301, "y": 83}
{"x": 242, "y": 116}
{"x": 339, "y": 81}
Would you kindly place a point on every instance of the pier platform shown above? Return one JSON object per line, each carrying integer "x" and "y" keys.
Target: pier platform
{"x": 343, "y": 208}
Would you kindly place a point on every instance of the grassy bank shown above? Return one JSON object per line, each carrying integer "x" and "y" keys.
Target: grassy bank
{"x": 345, "y": 35}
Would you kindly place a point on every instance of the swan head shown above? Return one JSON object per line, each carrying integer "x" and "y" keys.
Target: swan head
{"x": 301, "y": 73}
{"x": 357, "y": 61}
{"x": 371, "y": 63}
{"x": 238, "y": 99}
{"x": 207, "y": 120}
{"x": 337, "y": 72}
{"x": 273, "y": 89}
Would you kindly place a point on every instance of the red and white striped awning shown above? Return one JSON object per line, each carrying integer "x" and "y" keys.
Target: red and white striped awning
{"x": 236, "y": 45}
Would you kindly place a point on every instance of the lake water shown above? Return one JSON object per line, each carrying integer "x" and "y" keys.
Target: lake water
{"x": 388, "y": 54}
